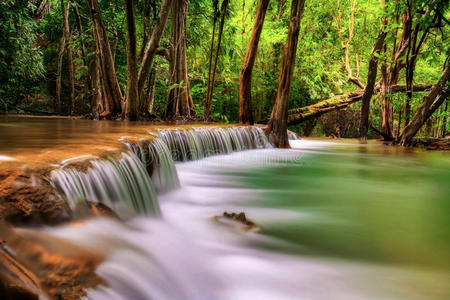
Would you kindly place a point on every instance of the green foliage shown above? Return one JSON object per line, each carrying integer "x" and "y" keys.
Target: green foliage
{"x": 319, "y": 74}
{"x": 20, "y": 60}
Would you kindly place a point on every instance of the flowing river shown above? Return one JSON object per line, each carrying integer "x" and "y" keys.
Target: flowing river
{"x": 334, "y": 220}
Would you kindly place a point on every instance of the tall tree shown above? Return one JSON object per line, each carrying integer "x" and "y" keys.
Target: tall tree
{"x": 132, "y": 100}
{"x": 111, "y": 89}
{"x": 245, "y": 79}
{"x": 68, "y": 38}
{"x": 437, "y": 95}
{"x": 148, "y": 97}
{"x": 370, "y": 86}
{"x": 277, "y": 126}
{"x": 57, "y": 104}
{"x": 390, "y": 74}
{"x": 431, "y": 18}
{"x": 209, "y": 95}
{"x": 178, "y": 99}
{"x": 153, "y": 43}
{"x": 207, "y": 106}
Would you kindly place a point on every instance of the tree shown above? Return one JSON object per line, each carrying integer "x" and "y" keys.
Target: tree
{"x": 152, "y": 45}
{"x": 209, "y": 95}
{"x": 245, "y": 79}
{"x": 111, "y": 89}
{"x": 346, "y": 45}
{"x": 277, "y": 126}
{"x": 371, "y": 77}
{"x": 178, "y": 99}
{"x": 427, "y": 19}
{"x": 430, "y": 103}
{"x": 390, "y": 74}
{"x": 132, "y": 99}
{"x": 68, "y": 39}
{"x": 216, "y": 14}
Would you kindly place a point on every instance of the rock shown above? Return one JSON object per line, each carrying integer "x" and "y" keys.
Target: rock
{"x": 27, "y": 198}
{"x": 10, "y": 290}
{"x": 53, "y": 266}
{"x": 238, "y": 218}
{"x": 101, "y": 210}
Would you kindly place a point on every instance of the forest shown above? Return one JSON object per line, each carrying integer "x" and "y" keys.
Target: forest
{"x": 342, "y": 68}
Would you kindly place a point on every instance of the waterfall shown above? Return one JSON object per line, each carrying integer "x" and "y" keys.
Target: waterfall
{"x": 121, "y": 185}
{"x": 292, "y": 135}
{"x": 157, "y": 158}
{"x": 130, "y": 182}
{"x": 197, "y": 143}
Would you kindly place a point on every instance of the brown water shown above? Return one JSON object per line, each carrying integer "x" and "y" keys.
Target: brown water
{"x": 51, "y": 140}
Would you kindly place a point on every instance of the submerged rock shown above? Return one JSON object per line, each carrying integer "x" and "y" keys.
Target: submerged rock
{"x": 239, "y": 219}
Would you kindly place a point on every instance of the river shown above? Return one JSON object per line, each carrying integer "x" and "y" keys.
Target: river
{"x": 335, "y": 220}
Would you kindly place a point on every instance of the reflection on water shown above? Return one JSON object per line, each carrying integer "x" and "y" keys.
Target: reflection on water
{"x": 337, "y": 223}
{"x": 31, "y": 139}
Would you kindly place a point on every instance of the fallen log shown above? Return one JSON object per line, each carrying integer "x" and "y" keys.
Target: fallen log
{"x": 299, "y": 115}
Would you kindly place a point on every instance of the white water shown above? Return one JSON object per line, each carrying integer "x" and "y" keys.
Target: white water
{"x": 187, "y": 255}
{"x": 6, "y": 158}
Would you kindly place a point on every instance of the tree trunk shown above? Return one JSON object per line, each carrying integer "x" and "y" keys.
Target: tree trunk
{"x": 368, "y": 91}
{"x": 68, "y": 38}
{"x": 428, "y": 106}
{"x": 444, "y": 121}
{"x": 132, "y": 100}
{"x": 207, "y": 106}
{"x": 209, "y": 95}
{"x": 57, "y": 104}
{"x": 277, "y": 126}
{"x": 95, "y": 94}
{"x": 112, "y": 93}
{"x": 146, "y": 29}
{"x": 390, "y": 75}
{"x": 245, "y": 80}
{"x": 149, "y": 95}
{"x": 386, "y": 103}
{"x": 153, "y": 43}
{"x": 178, "y": 98}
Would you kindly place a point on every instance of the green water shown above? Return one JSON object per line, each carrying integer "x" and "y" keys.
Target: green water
{"x": 370, "y": 203}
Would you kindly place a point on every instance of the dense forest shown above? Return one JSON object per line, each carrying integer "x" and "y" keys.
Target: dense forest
{"x": 344, "y": 68}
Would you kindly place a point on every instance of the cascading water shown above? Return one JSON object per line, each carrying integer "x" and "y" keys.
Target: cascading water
{"x": 292, "y": 136}
{"x": 121, "y": 185}
{"x": 131, "y": 181}
{"x": 158, "y": 160}
{"x": 197, "y": 143}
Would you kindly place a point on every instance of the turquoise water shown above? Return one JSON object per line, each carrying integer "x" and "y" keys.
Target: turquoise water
{"x": 369, "y": 202}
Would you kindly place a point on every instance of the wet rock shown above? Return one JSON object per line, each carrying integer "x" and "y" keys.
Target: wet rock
{"x": 10, "y": 290}
{"x": 27, "y": 198}
{"x": 53, "y": 266}
{"x": 101, "y": 210}
{"x": 240, "y": 219}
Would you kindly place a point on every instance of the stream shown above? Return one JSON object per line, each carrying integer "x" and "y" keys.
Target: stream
{"x": 334, "y": 220}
